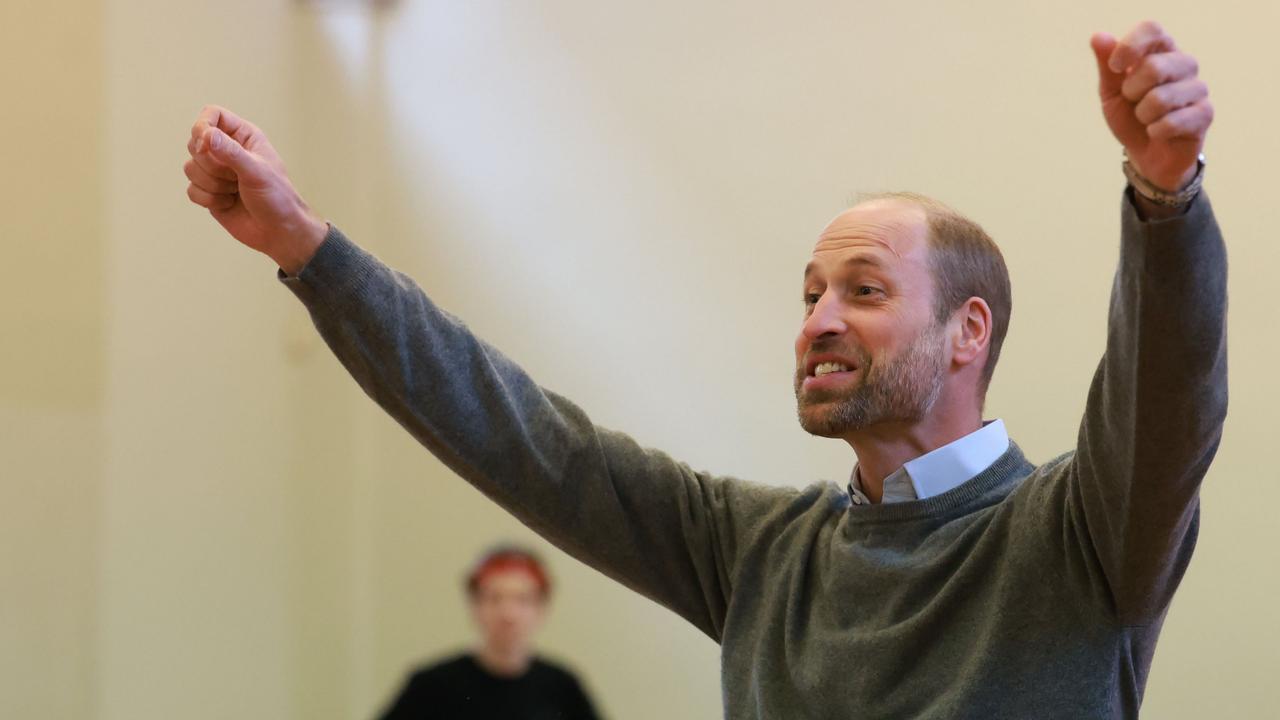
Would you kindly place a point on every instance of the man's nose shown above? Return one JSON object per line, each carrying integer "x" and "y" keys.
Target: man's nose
{"x": 826, "y": 318}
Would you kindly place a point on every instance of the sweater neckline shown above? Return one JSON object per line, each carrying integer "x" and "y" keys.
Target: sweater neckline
{"x": 999, "y": 478}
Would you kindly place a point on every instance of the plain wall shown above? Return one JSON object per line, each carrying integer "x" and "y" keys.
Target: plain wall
{"x": 202, "y": 516}
{"x": 52, "y": 355}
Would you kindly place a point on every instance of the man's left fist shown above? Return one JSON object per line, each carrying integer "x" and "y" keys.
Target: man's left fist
{"x": 1154, "y": 102}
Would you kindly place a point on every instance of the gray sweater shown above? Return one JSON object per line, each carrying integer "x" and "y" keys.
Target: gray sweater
{"x": 1026, "y": 592}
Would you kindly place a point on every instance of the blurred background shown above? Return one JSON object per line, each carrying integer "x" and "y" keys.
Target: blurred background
{"x": 201, "y": 516}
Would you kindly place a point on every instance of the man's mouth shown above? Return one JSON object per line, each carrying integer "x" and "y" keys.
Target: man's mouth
{"x": 828, "y": 375}
{"x": 827, "y": 368}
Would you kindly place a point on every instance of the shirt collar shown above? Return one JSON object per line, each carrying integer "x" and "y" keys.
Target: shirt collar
{"x": 942, "y": 469}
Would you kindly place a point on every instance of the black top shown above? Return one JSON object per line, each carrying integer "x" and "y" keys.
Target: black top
{"x": 460, "y": 689}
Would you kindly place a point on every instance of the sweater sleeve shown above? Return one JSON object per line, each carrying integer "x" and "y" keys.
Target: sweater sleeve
{"x": 1155, "y": 410}
{"x": 633, "y": 513}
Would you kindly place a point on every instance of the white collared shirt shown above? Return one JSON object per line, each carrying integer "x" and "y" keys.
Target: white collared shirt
{"x": 940, "y": 470}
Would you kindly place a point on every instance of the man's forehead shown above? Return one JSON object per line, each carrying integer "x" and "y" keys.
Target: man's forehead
{"x": 896, "y": 227}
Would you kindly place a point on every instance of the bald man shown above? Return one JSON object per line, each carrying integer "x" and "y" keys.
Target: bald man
{"x": 951, "y": 577}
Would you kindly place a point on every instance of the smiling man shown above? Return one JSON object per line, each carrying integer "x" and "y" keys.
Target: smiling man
{"x": 906, "y": 306}
{"x": 952, "y": 577}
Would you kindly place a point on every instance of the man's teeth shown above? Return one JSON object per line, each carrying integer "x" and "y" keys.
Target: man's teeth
{"x": 829, "y": 367}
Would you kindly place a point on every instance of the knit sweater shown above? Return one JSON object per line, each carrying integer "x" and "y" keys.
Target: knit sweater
{"x": 1026, "y": 592}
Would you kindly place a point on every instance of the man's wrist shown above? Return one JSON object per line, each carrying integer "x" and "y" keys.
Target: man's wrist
{"x": 1186, "y": 186}
{"x": 300, "y": 243}
{"x": 1148, "y": 210}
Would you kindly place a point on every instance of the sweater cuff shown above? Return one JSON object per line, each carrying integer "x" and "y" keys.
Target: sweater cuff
{"x": 1198, "y": 213}
{"x": 1196, "y": 223}
{"x": 338, "y": 270}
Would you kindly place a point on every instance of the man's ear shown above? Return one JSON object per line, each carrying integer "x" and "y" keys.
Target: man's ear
{"x": 970, "y": 331}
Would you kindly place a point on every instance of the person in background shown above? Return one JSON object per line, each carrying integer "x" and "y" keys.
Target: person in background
{"x": 502, "y": 677}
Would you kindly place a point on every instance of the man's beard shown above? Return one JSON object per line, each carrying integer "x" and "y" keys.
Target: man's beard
{"x": 903, "y": 389}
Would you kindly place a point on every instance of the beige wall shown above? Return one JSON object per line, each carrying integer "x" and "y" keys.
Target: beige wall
{"x": 200, "y": 516}
{"x": 52, "y": 356}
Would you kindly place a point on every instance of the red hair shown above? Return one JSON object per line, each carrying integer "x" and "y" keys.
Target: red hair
{"x": 508, "y": 558}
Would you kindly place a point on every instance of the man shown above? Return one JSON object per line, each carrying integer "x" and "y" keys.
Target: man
{"x": 508, "y": 591}
{"x": 953, "y": 578}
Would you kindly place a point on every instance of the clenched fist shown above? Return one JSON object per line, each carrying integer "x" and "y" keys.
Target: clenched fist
{"x": 238, "y": 176}
{"x": 1154, "y": 102}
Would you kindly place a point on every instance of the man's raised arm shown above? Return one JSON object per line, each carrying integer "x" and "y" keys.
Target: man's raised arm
{"x": 1158, "y": 400}
{"x": 635, "y": 514}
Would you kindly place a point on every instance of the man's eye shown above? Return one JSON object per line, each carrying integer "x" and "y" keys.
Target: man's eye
{"x": 811, "y": 298}
{"x": 867, "y": 290}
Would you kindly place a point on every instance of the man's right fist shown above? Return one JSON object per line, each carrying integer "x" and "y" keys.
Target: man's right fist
{"x": 238, "y": 176}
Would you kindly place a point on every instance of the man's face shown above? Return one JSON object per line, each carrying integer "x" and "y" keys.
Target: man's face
{"x": 508, "y": 606}
{"x": 870, "y": 351}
